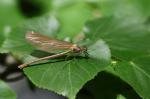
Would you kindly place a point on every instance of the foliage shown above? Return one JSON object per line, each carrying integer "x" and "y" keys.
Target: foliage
{"x": 6, "y": 92}
{"x": 116, "y": 33}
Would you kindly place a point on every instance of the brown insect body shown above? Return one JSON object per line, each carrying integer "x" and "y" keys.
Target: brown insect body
{"x": 47, "y": 44}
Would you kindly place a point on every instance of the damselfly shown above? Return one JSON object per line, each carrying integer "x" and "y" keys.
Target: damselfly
{"x": 47, "y": 44}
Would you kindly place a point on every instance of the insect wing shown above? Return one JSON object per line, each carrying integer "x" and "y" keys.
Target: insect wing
{"x": 47, "y": 44}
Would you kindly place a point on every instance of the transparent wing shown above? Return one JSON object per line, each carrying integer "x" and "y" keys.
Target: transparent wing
{"x": 47, "y": 44}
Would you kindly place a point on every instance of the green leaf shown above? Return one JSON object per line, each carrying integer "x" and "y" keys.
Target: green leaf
{"x": 10, "y": 14}
{"x": 134, "y": 69}
{"x": 121, "y": 97}
{"x": 15, "y": 42}
{"x": 1, "y": 39}
{"x": 124, "y": 9}
{"x": 6, "y": 92}
{"x": 9, "y": 17}
{"x": 136, "y": 73}
{"x": 63, "y": 77}
{"x": 72, "y": 18}
{"x": 73, "y": 15}
{"x": 125, "y": 40}
{"x": 129, "y": 43}
{"x": 68, "y": 77}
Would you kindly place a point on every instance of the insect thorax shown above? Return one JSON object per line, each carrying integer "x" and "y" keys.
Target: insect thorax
{"x": 77, "y": 49}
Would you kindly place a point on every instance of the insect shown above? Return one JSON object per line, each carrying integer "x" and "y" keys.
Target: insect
{"x": 47, "y": 44}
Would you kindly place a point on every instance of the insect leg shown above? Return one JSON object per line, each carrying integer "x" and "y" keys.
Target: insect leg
{"x": 44, "y": 58}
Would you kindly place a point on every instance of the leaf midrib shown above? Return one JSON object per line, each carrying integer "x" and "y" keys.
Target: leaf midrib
{"x": 140, "y": 69}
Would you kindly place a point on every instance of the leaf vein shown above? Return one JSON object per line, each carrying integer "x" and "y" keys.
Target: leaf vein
{"x": 136, "y": 66}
